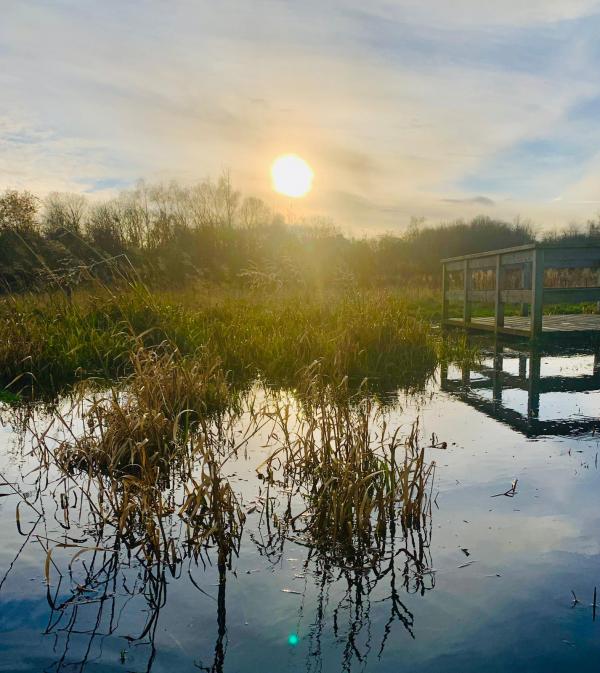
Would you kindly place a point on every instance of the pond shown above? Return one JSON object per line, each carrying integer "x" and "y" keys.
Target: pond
{"x": 499, "y": 573}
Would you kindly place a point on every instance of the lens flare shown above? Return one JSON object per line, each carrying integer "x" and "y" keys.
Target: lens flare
{"x": 293, "y": 639}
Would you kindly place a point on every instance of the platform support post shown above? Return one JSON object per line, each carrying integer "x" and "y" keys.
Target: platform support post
{"x": 498, "y": 372}
{"x": 533, "y": 392}
{"x": 522, "y": 367}
{"x": 499, "y": 305}
{"x": 466, "y": 288}
{"x": 537, "y": 293}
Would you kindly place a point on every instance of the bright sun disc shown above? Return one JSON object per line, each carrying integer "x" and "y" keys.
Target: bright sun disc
{"x": 291, "y": 175}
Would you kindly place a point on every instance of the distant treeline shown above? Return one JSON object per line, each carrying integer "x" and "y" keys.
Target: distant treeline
{"x": 172, "y": 234}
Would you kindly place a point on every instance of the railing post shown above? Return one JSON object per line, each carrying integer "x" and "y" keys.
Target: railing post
{"x": 444, "y": 298}
{"x": 526, "y": 286}
{"x": 467, "y": 287}
{"x": 537, "y": 292}
{"x": 499, "y": 305}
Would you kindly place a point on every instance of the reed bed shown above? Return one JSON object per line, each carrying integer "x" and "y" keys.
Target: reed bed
{"x": 129, "y": 528}
{"x": 47, "y": 343}
{"x": 170, "y": 430}
{"x": 158, "y": 393}
{"x": 137, "y": 475}
{"x": 160, "y": 408}
{"x": 354, "y": 476}
{"x": 159, "y": 509}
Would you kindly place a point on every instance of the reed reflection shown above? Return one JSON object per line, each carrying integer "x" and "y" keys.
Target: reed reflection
{"x": 121, "y": 519}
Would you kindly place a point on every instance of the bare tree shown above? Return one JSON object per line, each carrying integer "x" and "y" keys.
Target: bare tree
{"x": 64, "y": 212}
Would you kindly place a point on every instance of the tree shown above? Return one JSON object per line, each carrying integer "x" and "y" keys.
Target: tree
{"x": 64, "y": 213}
{"x": 18, "y": 211}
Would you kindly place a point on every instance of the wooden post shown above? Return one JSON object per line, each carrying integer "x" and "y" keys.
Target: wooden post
{"x": 443, "y": 375}
{"x": 466, "y": 375}
{"x": 523, "y": 367}
{"x": 444, "y": 298}
{"x": 466, "y": 288}
{"x": 537, "y": 292}
{"x": 499, "y": 307}
{"x": 526, "y": 286}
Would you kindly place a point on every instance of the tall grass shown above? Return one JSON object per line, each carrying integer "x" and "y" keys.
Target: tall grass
{"x": 48, "y": 342}
{"x": 354, "y": 476}
{"x": 137, "y": 476}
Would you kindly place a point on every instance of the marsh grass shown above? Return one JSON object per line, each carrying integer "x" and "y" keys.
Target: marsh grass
{"x": 182, "y": 370}
{"x": 137, "y": 477}
{"x": 142, "y": 491}
{"x": 163, "y": 391}
{"x": 156, "y": 519}
{"x": 156, "y": 448}
{"x": 48, "y": 343}
{"x": 161, "y": 407}
{"x": 354, "y": 475}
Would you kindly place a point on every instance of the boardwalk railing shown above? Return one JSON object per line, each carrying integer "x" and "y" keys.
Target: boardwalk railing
{"x": 527, "y": 267}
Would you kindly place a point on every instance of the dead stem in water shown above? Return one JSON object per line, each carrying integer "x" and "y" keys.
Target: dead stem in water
{"x": 354, "y": 475}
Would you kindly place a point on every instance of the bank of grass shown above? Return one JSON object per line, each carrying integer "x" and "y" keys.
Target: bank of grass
{"x": 387, "y": 337}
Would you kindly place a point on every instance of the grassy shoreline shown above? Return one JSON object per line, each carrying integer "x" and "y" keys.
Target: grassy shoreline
{"x": 387, "y": 337}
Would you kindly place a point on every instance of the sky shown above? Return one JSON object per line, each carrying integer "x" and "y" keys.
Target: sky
{"x": 439, "y": 109}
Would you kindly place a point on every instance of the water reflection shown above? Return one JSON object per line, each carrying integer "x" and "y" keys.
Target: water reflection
{"x": 117, "y": 545}
{"x": 534, "y": 391}
{"x": 375, "y": 576}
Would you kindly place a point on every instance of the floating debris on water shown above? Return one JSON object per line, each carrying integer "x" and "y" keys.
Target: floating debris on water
{"x": 467, "y": 563}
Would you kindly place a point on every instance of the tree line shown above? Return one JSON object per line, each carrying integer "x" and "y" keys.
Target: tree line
{"x": 172, "y": 234}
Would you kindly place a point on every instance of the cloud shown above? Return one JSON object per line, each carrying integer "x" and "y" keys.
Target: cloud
{"x": 394, "y": 105}
{"x": 474, "y": 200}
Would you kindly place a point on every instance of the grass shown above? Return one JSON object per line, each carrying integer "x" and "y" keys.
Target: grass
{"x": 383, "y": 336}
{"x": 164, "y": 380}
{"x": 146, "y": 423}
{"x": 173, "y": 388}
{"x": 154, "y": 455}
{"x": 354, "y": 476}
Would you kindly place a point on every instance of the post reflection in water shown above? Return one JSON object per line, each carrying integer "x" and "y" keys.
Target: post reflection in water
{"x": 513, "y": 381}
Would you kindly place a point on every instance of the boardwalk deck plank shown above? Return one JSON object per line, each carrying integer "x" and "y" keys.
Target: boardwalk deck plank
{"x": 585, "y": 322}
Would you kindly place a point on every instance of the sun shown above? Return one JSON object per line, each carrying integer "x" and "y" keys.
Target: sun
{"x": 291, "y": 176}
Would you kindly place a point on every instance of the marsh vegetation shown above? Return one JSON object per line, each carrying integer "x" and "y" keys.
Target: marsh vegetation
{"x": 134, "y": 405}
{"x": 198, "y": 390}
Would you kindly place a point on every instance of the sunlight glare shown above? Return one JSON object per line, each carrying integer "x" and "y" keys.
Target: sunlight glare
{"x": 291, "y": 175}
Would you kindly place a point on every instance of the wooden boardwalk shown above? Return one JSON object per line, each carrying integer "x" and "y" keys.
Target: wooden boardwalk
{"x": 521, "y": 326}
{"x": 528, "y": 276}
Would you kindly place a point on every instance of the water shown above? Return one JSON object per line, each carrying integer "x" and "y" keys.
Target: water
{"x": 490, "y": 588}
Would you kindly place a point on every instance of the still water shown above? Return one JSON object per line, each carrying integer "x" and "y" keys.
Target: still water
{"x": 488, "y": 584}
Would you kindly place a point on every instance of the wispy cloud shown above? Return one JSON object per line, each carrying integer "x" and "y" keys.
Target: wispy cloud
{"x": 401, "y": 110}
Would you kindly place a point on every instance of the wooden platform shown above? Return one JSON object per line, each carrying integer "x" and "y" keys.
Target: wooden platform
{"x": 573, "y": 324}
{"x": 530, "y": 276}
